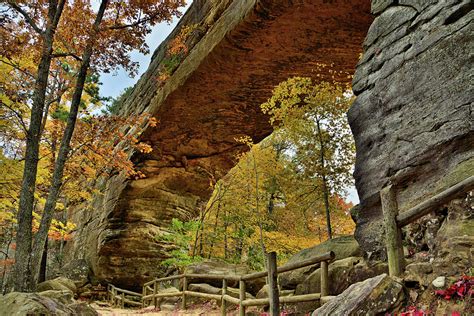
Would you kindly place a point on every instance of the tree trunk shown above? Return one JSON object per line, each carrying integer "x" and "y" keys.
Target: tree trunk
{"x": 271, "y": 203}
{"x": 215, "y": 230}
{"x": 5, "y": 278}
{"x": 201, "y": 238}
{"x": 325, "y": 185}
{"x": 196, "y": 236}
{"x": 44, "y": 263}
{"x": 22, "y": 270}
{"x": 226, "y": 223}
{"x": 64, "y": 148}
{"x": 326, "y": 206}
{"x": 260, "y": 225}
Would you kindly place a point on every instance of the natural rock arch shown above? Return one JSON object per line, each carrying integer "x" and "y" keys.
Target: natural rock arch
{"x": 245, "y": 47}
{"x": 242, "y": 49}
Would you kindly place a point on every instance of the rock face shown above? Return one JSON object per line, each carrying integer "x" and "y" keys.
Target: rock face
{"x": 342, "y": 274}
{"x": 343, "y": 247}
{"x": 375, "y": 296}
{"x": 58, "y": 284}
{"x": 239, "y": 51}
{"x": 413, "y": 119}
{"x": 51, "y": 303}
{"x": 454, "y": 252}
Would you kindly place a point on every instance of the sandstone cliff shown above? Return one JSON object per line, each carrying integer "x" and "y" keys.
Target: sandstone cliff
{"x": 413, "y": 119}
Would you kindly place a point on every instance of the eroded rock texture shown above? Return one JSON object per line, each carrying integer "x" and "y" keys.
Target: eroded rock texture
{"x": 239, "y": 52}
{"x": 413, "y": 119}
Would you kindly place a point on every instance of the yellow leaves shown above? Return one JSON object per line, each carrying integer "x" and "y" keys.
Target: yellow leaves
{"x": 245, "y": 140}
{"x": 275, "y": 192}
{"x": 283, "y": 242}
{"x": 6, "y": 217}
{"x": 59, "y": 230}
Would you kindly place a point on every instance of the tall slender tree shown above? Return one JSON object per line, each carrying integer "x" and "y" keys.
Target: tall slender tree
{"x": 313, "y": 117}
{"x": 92, "y": 39}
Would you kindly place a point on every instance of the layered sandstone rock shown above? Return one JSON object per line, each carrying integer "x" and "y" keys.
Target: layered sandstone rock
{"x": 375, "y": 296}
{"x": 413, "y": 119}
{"x": 240, "y": 50}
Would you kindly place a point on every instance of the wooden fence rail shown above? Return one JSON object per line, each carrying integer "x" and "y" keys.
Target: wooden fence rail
{"x": 151, "y": 289}
{"x": 393, "y": 221}
{"x": 117, "y": 296}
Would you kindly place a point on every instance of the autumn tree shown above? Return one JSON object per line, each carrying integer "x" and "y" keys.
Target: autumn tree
{"x": 313, "y": 118}
{"x": 49, "y": 31}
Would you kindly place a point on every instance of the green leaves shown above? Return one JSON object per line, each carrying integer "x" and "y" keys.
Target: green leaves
{"x": 180, "y": 234}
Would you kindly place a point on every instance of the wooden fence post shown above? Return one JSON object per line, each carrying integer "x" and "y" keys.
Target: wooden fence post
{"x": 143, "y": 295}
{"x": 185, "y": 288}
{"x": 114, "y": 294}
{"x": 393, "y": 233}
{"x": 223, "y": 301}
{"x": 123, "y": 300}
{"x": 155, "y": 289}
{"x": 241, "y": 297}
{"x": 324, "y": 278}
{"x": 273, "y": 294}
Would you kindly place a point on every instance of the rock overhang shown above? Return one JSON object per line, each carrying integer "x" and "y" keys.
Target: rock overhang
{"x": 215, "y": 94}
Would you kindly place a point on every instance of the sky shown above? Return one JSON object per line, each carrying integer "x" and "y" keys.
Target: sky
{"x": 114, "y": 83}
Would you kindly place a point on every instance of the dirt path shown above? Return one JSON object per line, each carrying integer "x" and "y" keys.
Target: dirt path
{"x": 197, "y": 310}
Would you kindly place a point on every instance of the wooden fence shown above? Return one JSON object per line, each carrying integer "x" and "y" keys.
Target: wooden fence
{"x": 394, "y": 221}
{"x": 151, "y": 290}
{"x": 117, "y": 296}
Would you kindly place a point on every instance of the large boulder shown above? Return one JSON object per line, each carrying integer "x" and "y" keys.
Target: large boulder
{"x": 342, "y": 273}
{"x": 343, "y": 247}
{"x": 227, "y": 269}
{"x": 17, "y": 303}
{"x": 168, "y": 300}
{"x": 375, "y": 296}
{"x": 263, "y": 293}
{"x": 83, "y": 309}
{"x": 64, "y": 297}
{"x": 58, "y": 284}
{"x": 78, "y": 271}
{"x": 206, "y": 288}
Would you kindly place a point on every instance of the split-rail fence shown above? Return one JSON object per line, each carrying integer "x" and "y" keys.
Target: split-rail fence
{"x": 151, "y": 290}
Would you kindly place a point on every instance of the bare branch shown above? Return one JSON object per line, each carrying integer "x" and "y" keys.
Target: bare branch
{"x": 134, "y": 24}
{"x": 26, "y": 16}
{"x": 18, "y": 115}
{"x": 57, "y": 55}
{"x": 59, "y": 11}
{"x": 17, "y": 67}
